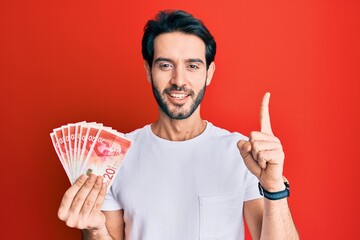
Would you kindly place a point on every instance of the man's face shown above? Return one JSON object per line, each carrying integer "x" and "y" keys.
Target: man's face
{"x": 178, "y": 75}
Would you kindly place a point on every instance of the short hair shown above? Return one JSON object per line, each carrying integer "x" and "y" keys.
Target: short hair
{"x": 176, "y": 21}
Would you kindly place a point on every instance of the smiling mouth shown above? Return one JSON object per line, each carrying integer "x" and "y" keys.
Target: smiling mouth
{"x": 178, "y": 95}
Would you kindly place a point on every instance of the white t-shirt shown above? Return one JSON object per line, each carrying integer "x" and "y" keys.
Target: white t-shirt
{"x": 185, "y": 190}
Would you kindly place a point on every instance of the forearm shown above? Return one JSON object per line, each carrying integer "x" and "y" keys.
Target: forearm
{"x": 277, "y": 221}
{"x": 101, "y": 234}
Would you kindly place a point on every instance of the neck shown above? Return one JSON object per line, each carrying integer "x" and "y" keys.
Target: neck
{"x": 178, "y": 130}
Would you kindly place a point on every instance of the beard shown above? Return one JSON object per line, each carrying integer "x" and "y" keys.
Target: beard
{"x": 177, "y": 115}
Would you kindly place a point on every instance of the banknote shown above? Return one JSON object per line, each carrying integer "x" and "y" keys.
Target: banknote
{"x": 65, "y": 148}
{"x": 71, "y": 143}
{"x": 56, "y": 145}
{"x": 106, "y": 154}
{"x": 89, "y": 139}
{"x": 90, "y": 148}
{"x": 59, "y": 144}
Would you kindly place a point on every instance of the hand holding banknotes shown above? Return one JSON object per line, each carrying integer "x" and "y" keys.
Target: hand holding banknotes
{"x": 91, "y": 155}
{"x": 81, "y": 205}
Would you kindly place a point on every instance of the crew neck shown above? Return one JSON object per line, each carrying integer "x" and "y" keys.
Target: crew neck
{"x": 198, "y": 138}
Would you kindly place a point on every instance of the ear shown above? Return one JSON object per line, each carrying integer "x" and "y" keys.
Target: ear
{"x": 147, "y": 70}
{"x": 210, "y": 73}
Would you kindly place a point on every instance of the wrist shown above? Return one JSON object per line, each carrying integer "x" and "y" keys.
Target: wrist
{"x": 100, "y": 233}
{"x": 274, "y": 185}
{"x": 275, "y": 195}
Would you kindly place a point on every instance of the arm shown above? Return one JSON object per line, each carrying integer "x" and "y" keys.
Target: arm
{"x": 114, "y": 227}
{"x": 81, "y": 208}
{"x": 267, "y": 219}
{"x": 253, "y": 214}
{"x": 278, "y": 212}
{"x": 264, "y": 157}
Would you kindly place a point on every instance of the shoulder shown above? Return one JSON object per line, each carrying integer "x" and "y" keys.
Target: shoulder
{"x": 135, "y": 134}
{"x": 225, "y": 135}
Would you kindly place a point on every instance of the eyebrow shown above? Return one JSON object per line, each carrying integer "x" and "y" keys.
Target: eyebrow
{"x": 160, "y": 59}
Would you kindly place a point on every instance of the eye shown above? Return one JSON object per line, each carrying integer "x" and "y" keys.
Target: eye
{"x": 193, "y": 67}
{"x": 165, "y": 66}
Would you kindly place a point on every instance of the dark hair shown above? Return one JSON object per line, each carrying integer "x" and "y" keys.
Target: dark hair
{"x": 176, "y": 21}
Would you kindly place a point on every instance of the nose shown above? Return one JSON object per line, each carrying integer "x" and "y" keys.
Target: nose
{"x": 178, "y": 77}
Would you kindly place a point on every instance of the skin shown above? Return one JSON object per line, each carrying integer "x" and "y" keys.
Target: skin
{"x": 263, "y": 155}
{"x": 179, "y": 60}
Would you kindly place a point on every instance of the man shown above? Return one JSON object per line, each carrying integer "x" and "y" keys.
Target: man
{"x": 184, "y": 178}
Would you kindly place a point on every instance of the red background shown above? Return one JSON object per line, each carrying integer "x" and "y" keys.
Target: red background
{"x": 68, "y": 61}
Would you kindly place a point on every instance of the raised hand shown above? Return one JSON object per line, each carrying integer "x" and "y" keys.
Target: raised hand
{"x": 81, "y": 204}
{"x": 263, "y": 154}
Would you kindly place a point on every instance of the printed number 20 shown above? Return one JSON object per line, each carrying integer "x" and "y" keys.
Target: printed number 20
{"x": 109, "y": 173}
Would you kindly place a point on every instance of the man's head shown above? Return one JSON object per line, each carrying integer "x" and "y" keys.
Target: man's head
{"x": 176, "y": 21}
{"x": 179, "y": 53}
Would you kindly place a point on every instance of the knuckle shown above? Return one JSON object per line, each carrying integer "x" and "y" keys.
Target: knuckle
{"x": 66, "y": 197}
{"x": 261, "y": 156}
{"x": 256, "y": 145}
{"x": 98, "y": 205}
{"x": 70, "y": 223}
{"x": 103, "y": 191}
{"x": 61, "y": 215}
{"x": 252, "y": 136}
{"x": 90, "y": 182}
{"x": 98, "y": 184}
{"x": 74, "y": 223}
{"x": 276, "y": 139}
{"x": 280, "y": 147}
{"x": 262, "y": 163}
{"x": 254, "y": 154}
{"x": 282, "y": 155}
{"x": 77, "y": 201}
{"x": 88, "y": 204}
{"x": 81, "y": 180}
{"x": 80, "y": 224}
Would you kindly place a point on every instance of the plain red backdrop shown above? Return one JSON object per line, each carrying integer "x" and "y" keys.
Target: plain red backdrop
{"x": 68, "y": 61}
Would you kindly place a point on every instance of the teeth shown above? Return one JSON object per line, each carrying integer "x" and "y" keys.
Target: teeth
{"x": 174, "y": 95}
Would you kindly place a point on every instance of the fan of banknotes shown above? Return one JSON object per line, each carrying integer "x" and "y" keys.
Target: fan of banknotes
{"x": 86, "y": 148}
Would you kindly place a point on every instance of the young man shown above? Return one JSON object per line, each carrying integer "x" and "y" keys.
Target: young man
{"x": 184, "y": 178}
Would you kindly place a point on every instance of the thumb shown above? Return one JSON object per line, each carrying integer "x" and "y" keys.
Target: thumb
{"x": 244, "y": 148}
{"x": 250, "y": 162}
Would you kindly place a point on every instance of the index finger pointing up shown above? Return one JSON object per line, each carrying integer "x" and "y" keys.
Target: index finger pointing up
{"x": 265, "y": 125}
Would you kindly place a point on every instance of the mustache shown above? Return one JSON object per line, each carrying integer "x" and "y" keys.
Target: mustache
{"x": 178, "y": 88}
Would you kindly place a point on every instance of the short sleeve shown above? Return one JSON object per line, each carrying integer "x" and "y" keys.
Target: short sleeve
{"x": 110, "y": 203}
{"x": 251, "y": 190}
